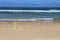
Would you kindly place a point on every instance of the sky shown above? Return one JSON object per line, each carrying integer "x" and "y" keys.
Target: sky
{"x": 29, "y": 3}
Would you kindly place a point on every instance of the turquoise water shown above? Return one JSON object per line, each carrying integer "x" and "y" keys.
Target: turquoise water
{"x": 28, "y": 15}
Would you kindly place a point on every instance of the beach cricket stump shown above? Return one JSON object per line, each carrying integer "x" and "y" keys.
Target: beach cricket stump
{"x": 15, "y": 25}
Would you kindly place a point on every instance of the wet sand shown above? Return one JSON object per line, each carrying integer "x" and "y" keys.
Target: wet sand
{"x": 30, "y": 31}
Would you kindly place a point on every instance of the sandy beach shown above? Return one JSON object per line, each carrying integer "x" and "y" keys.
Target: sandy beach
{"x": 30, "y": 31}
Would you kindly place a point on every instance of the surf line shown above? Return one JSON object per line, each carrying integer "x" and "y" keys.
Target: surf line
{"x": 29, "y": 10}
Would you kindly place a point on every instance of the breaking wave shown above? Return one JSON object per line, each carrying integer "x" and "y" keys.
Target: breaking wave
{"x": 30, "y": 20}
{"x": 30, "y": 10}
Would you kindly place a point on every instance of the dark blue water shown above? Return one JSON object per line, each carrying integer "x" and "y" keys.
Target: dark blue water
{"x": 29, "y": 8}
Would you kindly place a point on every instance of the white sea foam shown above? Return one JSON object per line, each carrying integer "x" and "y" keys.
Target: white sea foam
{"x": 30, "y": 10}
{"x": 35, "y": 19}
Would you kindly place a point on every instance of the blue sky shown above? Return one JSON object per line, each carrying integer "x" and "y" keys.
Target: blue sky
{"x": 29, "y": 3}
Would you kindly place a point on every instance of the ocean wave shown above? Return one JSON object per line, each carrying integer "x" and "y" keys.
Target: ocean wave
{"x": 25, "y": 20}
{"x": 30, "y": 10}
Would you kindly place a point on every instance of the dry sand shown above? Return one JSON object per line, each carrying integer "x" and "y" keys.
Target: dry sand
{"x": 30, "y": 31}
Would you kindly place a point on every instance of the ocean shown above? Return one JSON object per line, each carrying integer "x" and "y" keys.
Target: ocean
{"x": 29, "y": 16}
